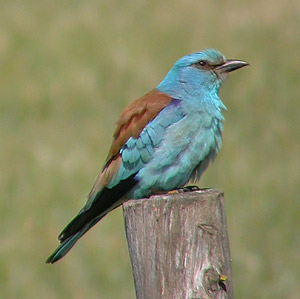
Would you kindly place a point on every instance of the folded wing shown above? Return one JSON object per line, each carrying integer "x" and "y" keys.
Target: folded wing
{"x": 133, "y": 145}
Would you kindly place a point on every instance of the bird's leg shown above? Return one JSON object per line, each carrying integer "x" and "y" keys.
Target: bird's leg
{"x": 190, "y": 188}
{"x": 180, "y": 190}
{"x": 184, "y": 189}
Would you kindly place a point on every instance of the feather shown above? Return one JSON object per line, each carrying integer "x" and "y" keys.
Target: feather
{"x": 135, "y": 117}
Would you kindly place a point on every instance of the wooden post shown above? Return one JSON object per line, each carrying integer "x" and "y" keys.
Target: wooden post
{"x": 179, "y": 246}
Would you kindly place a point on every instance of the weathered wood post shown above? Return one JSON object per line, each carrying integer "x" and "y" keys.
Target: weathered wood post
{"x": 179, "y": 246}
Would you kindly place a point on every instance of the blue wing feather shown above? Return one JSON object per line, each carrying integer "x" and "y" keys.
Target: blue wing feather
{"x": 136, "y": 153}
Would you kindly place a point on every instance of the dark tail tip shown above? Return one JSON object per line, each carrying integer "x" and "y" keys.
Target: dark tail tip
{"x": 55, "y": 256}
{"x": 62, "y": 249}
{"x": 51, "y": 259}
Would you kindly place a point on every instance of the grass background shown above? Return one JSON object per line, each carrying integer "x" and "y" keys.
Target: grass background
{"x": 68, "y": 68}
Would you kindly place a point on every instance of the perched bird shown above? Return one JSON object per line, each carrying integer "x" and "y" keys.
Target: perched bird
{"x": 162, "y": 141}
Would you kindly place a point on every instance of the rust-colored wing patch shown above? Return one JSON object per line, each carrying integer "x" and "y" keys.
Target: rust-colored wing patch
{"x": 135, "y": 117}
{"x": 132, "y": 121}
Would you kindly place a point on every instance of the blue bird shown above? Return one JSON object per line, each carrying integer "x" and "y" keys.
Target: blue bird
{"x": 162, "y": 141}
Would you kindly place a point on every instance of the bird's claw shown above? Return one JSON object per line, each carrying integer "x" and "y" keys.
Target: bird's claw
{"x": 184, "y": 189}
{"x": 190, "y": 188}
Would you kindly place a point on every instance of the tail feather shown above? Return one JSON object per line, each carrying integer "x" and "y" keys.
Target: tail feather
{"x": 67, "y": 244}
{"x": 105, "y": 201}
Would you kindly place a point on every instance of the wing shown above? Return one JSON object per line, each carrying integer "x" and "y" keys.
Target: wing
{"x": 128, "y": 142}
{"x": 140, "y": 128}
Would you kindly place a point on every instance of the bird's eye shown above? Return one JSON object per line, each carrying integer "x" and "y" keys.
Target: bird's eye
{"x": 202, "y": 63}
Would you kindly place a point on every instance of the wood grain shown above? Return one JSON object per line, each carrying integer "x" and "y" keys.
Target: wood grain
{"x": 178, "y": 245}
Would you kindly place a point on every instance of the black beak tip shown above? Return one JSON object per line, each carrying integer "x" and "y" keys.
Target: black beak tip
{"x": 231, "y": 65}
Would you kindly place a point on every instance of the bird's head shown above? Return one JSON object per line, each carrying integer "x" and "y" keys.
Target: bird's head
{"x": 199, "y": 72}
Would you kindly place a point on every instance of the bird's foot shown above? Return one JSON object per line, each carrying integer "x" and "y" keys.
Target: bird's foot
{"x": 184, "y": 189}
{"x": 179, "y": 190}
{"x": 191, "y": 188}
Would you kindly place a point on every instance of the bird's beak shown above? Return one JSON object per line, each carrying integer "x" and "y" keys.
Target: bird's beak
{"x": 230, "y": 65}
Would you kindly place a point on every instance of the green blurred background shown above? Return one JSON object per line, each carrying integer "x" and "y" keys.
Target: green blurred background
{"x": 68, "y": 68}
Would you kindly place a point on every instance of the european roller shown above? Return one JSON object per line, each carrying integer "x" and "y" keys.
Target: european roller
{"x": 162, "y": 141}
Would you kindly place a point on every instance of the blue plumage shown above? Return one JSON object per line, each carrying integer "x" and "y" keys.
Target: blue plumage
{"x": 162, "y": 141}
